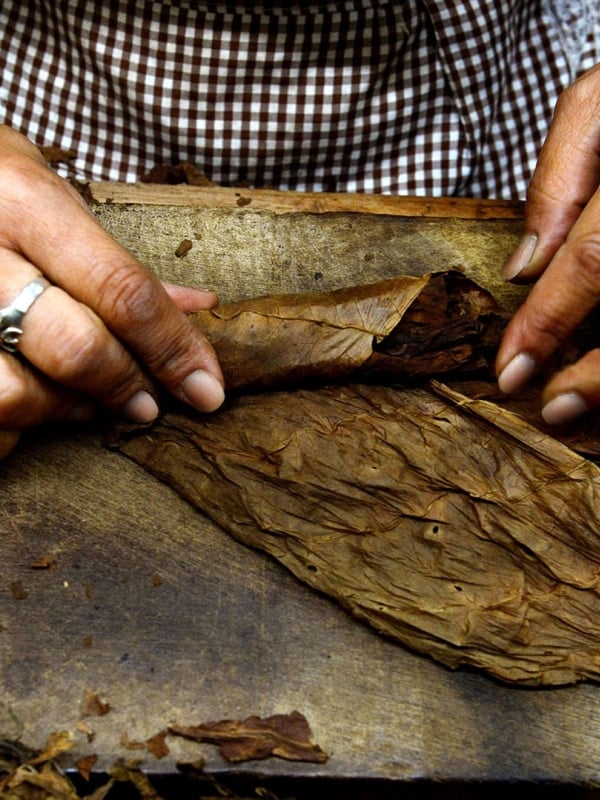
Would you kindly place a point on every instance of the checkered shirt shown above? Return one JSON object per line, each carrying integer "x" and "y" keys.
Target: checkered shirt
{"x": 416, "y": 97}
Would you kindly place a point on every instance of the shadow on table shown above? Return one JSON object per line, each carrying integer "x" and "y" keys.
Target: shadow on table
{"x": 252, "y": 788}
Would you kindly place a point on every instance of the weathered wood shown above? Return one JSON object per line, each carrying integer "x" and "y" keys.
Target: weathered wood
{"x": 171, "y": 621}
{"x": 245, "y": 252}
{"x": 308, "y": 202}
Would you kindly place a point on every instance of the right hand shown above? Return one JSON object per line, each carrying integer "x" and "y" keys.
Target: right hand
{"x": 561, "y": 253}
{"x": 106, "y": 332}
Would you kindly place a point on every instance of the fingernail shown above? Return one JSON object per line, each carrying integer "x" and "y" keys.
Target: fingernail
{"x": 520, "y": 258}
{"x": 140, "y": 408}
{"x": 516, "y": 373}
{"x": 564, "y": 408}
{"x": 202, "y": 390}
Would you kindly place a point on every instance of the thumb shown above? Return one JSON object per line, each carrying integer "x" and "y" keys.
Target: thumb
{"x": 188, "y": 299}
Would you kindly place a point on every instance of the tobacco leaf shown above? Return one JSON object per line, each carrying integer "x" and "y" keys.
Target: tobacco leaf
{"x": 157, "y": 746}
{"x": 34, "y": 776}
{"x": 583, "y": 435}
{"x": 284, "y": 735}
{"x": 86, "y": 764}
{"x": 181, "y": 172}
{"x": 406, "y": 329}
{"x": 403, "y": 328}
{"x": 451, "y": 524}
{"x": 446, "y": 523}
{"x": 93, "y": 706}
{"x": 125, "y": 773}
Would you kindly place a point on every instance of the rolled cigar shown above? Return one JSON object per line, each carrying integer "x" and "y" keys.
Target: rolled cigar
{"x": 402, "y": 328}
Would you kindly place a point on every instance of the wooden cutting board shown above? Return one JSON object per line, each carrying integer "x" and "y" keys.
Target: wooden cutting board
{"x": 168, "y": 620}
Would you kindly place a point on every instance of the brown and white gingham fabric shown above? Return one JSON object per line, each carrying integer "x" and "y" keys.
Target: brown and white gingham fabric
{"x": 428, "y": 97}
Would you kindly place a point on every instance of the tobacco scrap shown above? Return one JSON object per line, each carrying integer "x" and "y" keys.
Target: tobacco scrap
{"x": 183, "y": 248}
{"x": 44, "y": 562}
{"x": 157, "y": 745}
{"x": 29, "y": 775}
{"x": 181, "y": 172}
{"x": 18, "y": 591}
{"x": 93, "y": 706}
{"x": 58, "y": 742}
{"x": 54, "y": 154}
{"x": 85, "y": 765}
{"x": 86, "y": 730}
{"x": 286, "y": 736}
{"x": 131, "y": 744}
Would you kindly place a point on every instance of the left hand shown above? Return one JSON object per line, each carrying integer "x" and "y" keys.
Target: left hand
{"x": 18, "y": 384}
{"x": 561, "y": 249}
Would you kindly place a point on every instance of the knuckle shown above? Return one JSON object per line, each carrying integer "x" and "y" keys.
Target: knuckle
{"x": 175, "y": 355}
{"x": 569, "y": 100}
{"x": 585, "y": 250}
{"x": 579, "y": 96}
{"x": 77, "y": 355}
{"x": 544, "y": 327}
{"x": 91, "y": 360}
{"x": 21, "y": 175}
{"x": 134, "y": 302}
{"x": 17, "y": 180}
{"x": 22, "y": 180}
{"x": 577, "y": 111}
{"x": 541, "y": 193}
{"x": 127, "y": 295}
{"x": 120, "y": 382}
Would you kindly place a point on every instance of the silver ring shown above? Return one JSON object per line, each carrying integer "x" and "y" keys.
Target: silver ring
{"x": 11, "y": 317}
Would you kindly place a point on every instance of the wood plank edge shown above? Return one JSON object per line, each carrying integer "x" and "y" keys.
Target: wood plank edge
{"x": 279, "y": 202}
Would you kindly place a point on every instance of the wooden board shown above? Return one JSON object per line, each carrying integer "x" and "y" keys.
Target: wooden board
{"x": 169, "y": 620}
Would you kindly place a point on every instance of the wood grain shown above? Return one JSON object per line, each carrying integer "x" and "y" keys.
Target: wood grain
{"x": 308, "y": 202}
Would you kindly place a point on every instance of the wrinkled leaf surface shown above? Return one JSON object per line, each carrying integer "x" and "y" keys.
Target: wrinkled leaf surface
{"x": 450, "y": 524}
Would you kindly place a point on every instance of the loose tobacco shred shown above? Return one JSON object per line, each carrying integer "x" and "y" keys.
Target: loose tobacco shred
{"x": 284, "y": 735}
{"x": 447, "y": 523}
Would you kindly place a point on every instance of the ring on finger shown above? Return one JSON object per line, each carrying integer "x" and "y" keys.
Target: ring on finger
{"x": 11, "y": 317}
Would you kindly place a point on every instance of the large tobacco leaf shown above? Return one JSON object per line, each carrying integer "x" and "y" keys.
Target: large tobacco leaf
{"x": 448, "y": 523}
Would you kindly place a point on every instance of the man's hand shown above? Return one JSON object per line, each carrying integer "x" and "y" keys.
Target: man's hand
{"x": 561, "y": 249}
{"x": 105, "y": 332}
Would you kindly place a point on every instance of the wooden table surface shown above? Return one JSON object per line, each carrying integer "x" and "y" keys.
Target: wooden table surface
{"x": 167, "y": 619}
